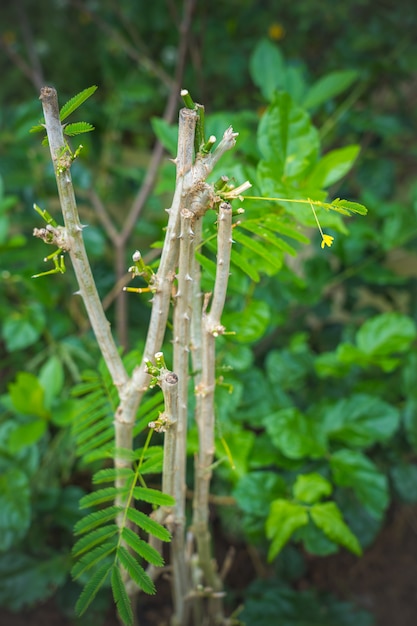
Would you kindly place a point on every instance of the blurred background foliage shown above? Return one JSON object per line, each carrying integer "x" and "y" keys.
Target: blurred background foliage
{"x": 328, "y": 341}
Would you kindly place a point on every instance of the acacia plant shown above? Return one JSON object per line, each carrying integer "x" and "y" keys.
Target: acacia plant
{"x": 111, "y": 541}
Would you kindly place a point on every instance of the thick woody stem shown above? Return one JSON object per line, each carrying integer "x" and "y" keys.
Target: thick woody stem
{"x": 211, "y": 328}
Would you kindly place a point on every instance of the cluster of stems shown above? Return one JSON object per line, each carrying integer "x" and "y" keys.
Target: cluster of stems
{"x": 197, "y": 587}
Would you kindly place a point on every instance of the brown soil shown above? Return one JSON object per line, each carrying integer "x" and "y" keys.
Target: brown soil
{"x": 383, "y": 581}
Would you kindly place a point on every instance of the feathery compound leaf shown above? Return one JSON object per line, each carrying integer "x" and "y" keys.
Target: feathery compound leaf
{"x": 91, "y": 589}
{"x": 94, "y": 538}
{"x": 142, "y": 548}
{"x": 153, "y": 496}
{"x": 78, "y": 128}
{"x": 38, "y": 128}
{"x": 95, "y": 519}
{"x": 148, "y": 525}
{"x": 110, "y": 474}
{"x": 121, "y": 598}
{"x": 93, "y": 557}
{"x": 73, "y": 104}
{"x": 136, "y": 571}
{"x": 347, "y": 205}
{"x": 98, "y": 497}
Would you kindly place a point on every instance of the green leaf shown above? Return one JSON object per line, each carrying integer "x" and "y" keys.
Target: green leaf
{"x": 329, "y": 86}
{"x": 111, "y": 474}
{"x": 256, "y": 490}
{"x": 333, "y": 166}
{"x": 148, "y": 525}
{"x": 166, "y": 133}
{"x": 26, "y": 434}
{"x": 283, "y": 520}
{"x": 353, "y": 469}
{"x": 73, "y": 104}
{"x": 272, "y": 259}
{"x": 121, "y": 597}
{"x": 153, "y": 496}
{"x": 361, "y": 421}
{"x": 136, "y": 571}
{"x": 404, "y": 477}
{"x": 386, "y": 334}
{"x": 295, "y": 435}
{"x": 249, "y": 324}
{"x": 95, "y": 519}
{"x": 94, "y": 498}
{"x": 94, "y": 538}
{"x": 142, "y": 548}
{"x": 51, "y": 378}
{"x": 310, "y": 488}
{"x": 327, "y": 516}
{"x": 91, "y": 589}
{"x": 287, "y": 138}
{"x": 28, "y": 396}
{"x": 267, "y": 68}
{"x": 346, "y": 207}
{"x": 78, "y": 128}
{"x": 24, "y": 327}
{"x": 26, "y": 580}
{"x": 93, "y": 557}
{"x": 15, "y": 507}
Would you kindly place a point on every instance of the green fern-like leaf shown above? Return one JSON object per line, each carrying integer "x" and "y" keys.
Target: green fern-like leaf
{"x": 121, "y": 597}
{"x": 148, "y": 524}
{"x": 78, "y": 128}
{"x": 96, "y": 519}
{"x": 141, "y": 548}
{"x": 93, "y": 557}
{"x": 92, "y": 588}
{"x": 347, "y": 207}
{"x": 136, "y": 571}
{"x": 73, "y": 104}
{"x": 94, "y": 538}
{"x": 153, "y": 496}
{"x": 107, "y": 494}
{"x": 110, "y": 474}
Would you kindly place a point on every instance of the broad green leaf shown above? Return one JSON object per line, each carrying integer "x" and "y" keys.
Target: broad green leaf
{"x": 51, "y": 377}
{"x": 28, "y": 396}
{"x": 361, "y": 421}
{"x": 78, "y": 128}
{"x": 287, "y": 138}
{"x": 249, "y": 324}
{"x": 295, "y": 435}
{"x": 15, "y": 507}
{"x": 24, "y": 327}
{"x": 26, "y": 434}
{"x": 121, "y": 597}
{"x": 166, "y": 133}
{"x": 386, "y": 334}
{"x": 255, "y": 491}
{"x": 267, "y": 68}
{"x": 333, "y": 166}
{"x": 283, "y": 520}
{"x": 310, "y": 488}
{"x": 73, "y": 104}
{"x": 314, "y": 540}
{"x": 329, "y": 86}
{"x": 327, "y": 516}
{"x": 404, "y": 477}
{"x": 91, "y": 589}
{"x": 26, "y": 580}
{"x": 353, "y": 469}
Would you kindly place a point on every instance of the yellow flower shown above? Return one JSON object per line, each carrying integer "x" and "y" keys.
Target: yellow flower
{"x": 327, "y": 240}
{"x": 276, "y": 31}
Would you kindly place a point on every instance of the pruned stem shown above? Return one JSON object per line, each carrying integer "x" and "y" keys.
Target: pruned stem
{"x": 211, "y": 328}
